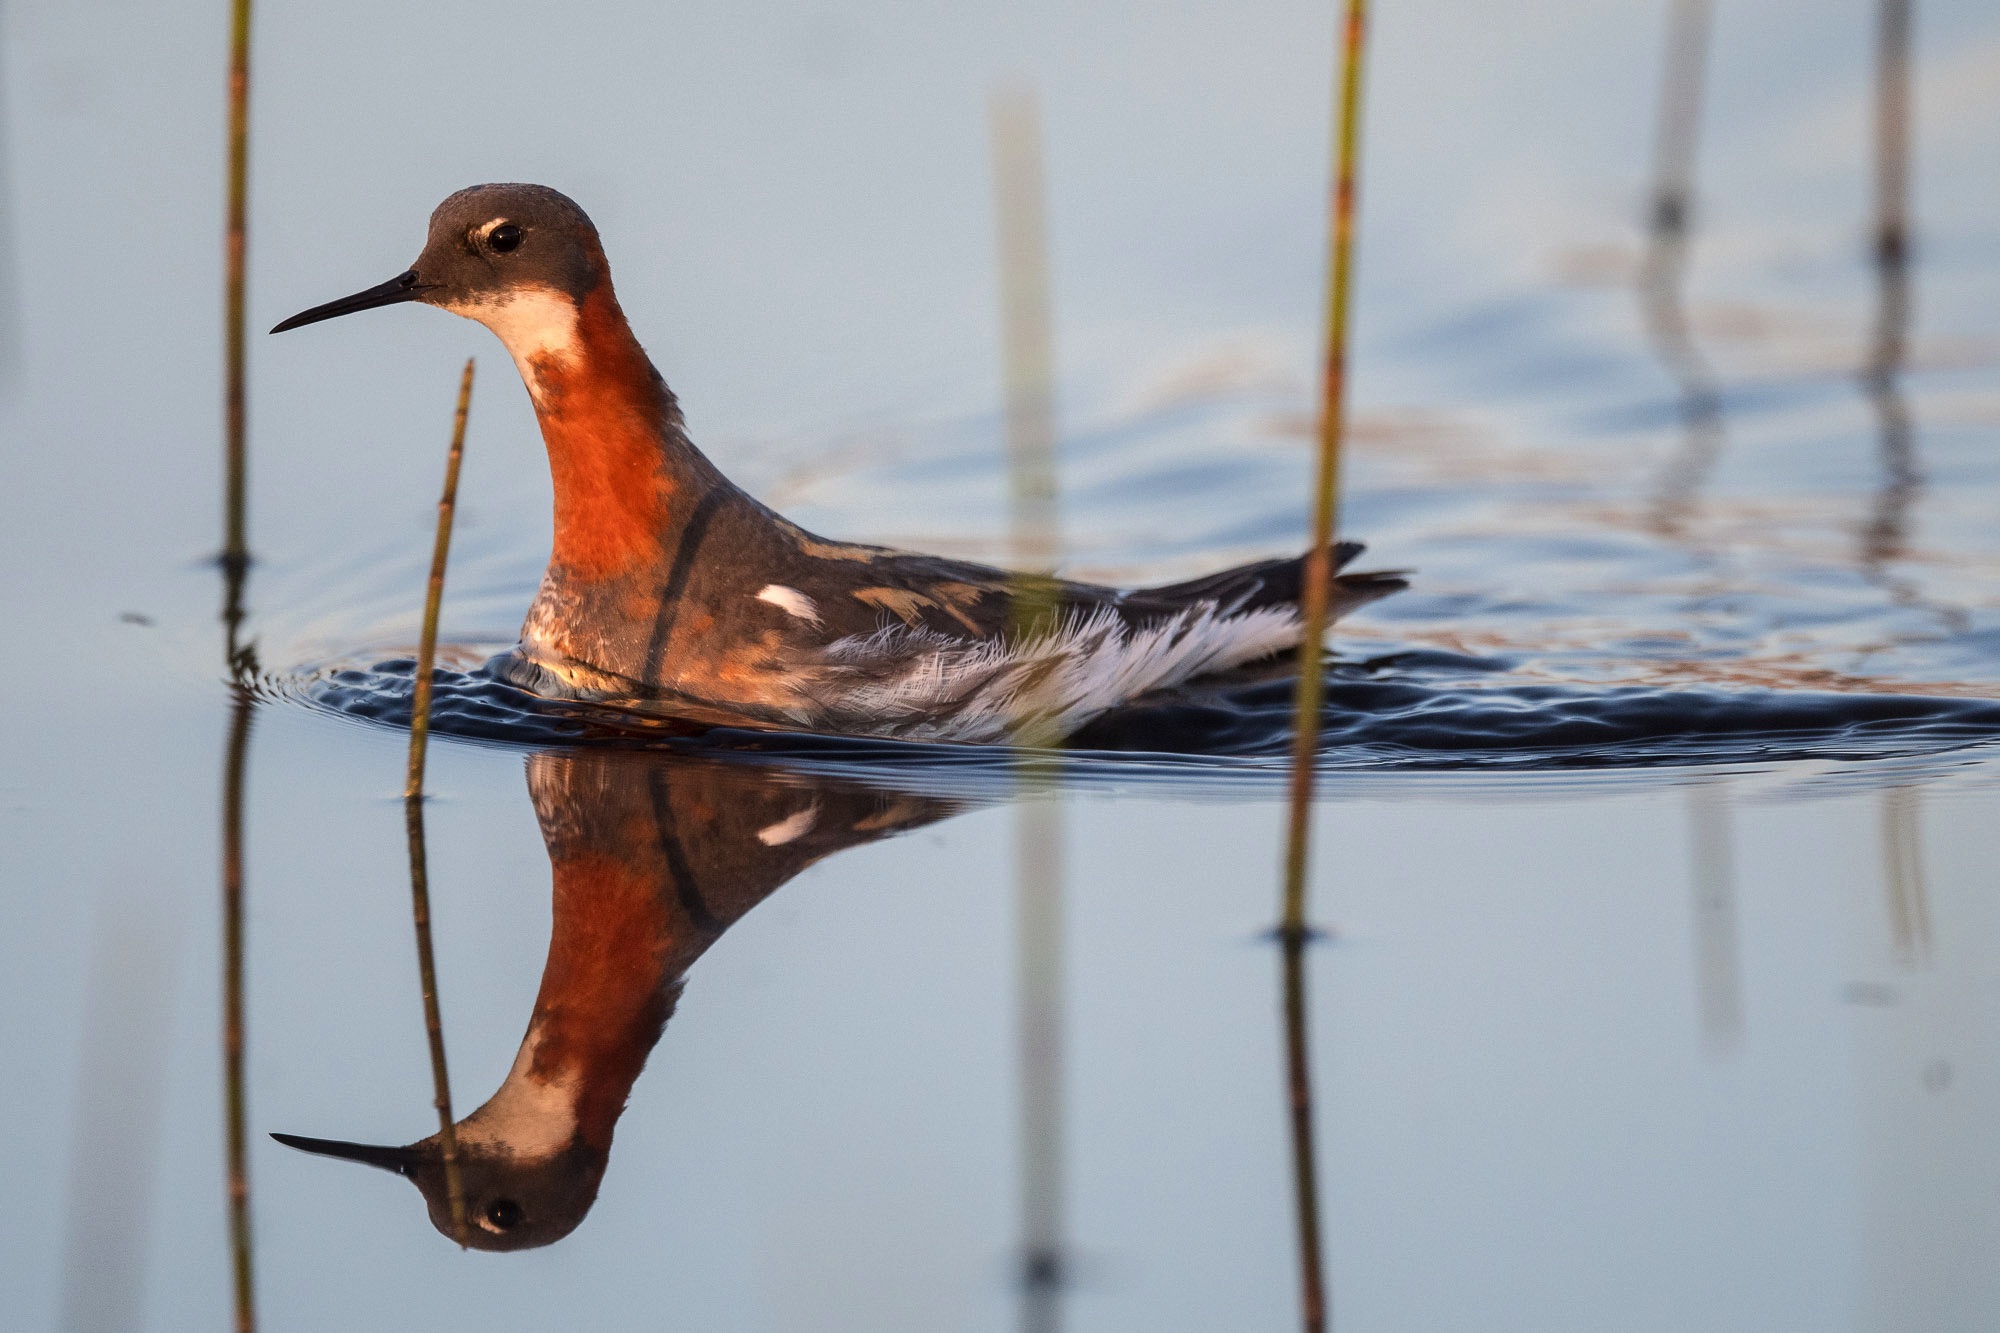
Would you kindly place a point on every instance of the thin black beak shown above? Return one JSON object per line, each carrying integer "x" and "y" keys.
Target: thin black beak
{"x": 403, "y": 1161}
{"x": 402, "y": 287}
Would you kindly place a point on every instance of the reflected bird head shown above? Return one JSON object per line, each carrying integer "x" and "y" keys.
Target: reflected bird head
{"x": 513, "y": 1201}
{"x": 509, "y": 256}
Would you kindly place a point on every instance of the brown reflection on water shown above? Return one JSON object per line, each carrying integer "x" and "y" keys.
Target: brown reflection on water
{"x": 653, "y": 857}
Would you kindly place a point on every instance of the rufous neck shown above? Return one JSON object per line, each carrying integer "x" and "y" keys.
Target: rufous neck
{"x": 625, "y": 475}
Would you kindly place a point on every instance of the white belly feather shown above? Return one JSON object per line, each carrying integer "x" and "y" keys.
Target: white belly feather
{"x": 916, "y": 685}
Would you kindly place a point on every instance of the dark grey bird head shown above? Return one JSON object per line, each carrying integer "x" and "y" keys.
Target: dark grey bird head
{"x": 512, "y": 1201}
{"x": 491, "y": 248}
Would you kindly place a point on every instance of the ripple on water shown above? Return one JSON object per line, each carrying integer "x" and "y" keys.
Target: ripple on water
{"x": 1423, "y": 711}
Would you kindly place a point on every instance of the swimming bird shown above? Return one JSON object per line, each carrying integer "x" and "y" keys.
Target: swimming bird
{"x": 671, "y": 588}
{"x": 652, "y": 858}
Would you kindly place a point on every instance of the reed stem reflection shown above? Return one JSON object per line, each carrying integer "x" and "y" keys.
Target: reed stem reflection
{"x": 1903, "y": 875}
{"x": 1718, "y": 966}
{"x": 1663, "y": 273}
{"x": 236, "y": 1134}
{"x": 1887, "y": 532}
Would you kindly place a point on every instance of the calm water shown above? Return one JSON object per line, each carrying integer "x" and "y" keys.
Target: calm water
{"x": 1656, "y": 841}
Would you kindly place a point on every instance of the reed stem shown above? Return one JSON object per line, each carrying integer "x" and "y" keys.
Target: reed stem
{"x": 413, "y": 812}
{"x": 1318, "y": 570}
{"x": 235, "y": 536}
{"x": 1028, "y": 362}
{"x": 235, "y": 562}
{"x": 236, "y": 1134}
{"x": 1314, "y": 598}
{"x": 1313, "y": 1312}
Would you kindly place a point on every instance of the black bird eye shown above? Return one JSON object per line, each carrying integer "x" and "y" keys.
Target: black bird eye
{"x": 505, "y": 1214}
{"x": 504, "y": 238}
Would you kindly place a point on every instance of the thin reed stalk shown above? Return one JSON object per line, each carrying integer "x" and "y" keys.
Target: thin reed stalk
{"x": 236, "y": 1133}
{"x": 413, "y": 812}
{"x": 1318, "y": 582}
{"x": 1293, "y": 933}
{"x": 235, "y": 536}
{"x": 1027, "y": 351}
{"x": 241, "y": 663}
{"x": 1028, "y": 360}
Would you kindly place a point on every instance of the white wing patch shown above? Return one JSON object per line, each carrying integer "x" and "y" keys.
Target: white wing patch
{"x": 791, "y": 601}
{"x": 919, "y": 685}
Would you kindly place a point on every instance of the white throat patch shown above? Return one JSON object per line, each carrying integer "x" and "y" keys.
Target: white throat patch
{"x": 531, "y": 322}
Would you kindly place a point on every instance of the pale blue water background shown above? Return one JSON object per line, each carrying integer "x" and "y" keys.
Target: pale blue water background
{"x": 1569, "y": 1077}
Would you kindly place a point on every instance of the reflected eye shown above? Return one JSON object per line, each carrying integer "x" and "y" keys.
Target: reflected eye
{"x": 504, "y": 237}
{"x": 504, "y": 1214}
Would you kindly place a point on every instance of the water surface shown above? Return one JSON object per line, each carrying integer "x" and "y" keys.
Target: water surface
{"x": 1655, "y": 853}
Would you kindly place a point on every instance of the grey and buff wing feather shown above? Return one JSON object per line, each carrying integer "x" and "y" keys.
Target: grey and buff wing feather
{"x": 940, "y": 663}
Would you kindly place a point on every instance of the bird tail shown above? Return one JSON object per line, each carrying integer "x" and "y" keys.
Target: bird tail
{"x": 1276, "y": 582}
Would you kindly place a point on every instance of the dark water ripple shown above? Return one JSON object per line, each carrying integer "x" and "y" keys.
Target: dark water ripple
{"x": 1421, "y": 711}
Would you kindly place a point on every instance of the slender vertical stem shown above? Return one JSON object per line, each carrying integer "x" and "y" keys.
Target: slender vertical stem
{"x": 235, "y": 539}
{"x": 1299, "y": 1104}
{"x": 413, "y": 811}
{"x": 1027, "y": 349}
{"x": 1886, "y": 532}
{"x": 420, "y": 694}
{"x": 235, "y": 562}
{"x": 236, "y": 1140}
{"x": 1318, "y": 571}
{"x": 1029, "y": 362}
{"x": 1316, "y": 592}
{"x": 1903, "y": 867}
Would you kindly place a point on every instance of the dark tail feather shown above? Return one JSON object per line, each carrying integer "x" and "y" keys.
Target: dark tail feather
{"x": 1271, "y": 583}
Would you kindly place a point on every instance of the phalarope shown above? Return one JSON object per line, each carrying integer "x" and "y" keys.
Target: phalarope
{"x": 670, "y": 586}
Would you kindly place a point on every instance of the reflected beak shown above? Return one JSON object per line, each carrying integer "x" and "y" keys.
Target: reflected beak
{"x": 402, "y": 287}
{"x": 403, "y": 1161}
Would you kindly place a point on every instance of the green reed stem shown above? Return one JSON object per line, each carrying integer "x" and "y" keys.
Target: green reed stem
{"x": 235, "y": 536}
{"x": 413, "y": 811}
{"x": 1318, "y": 583}
{"x": 1315, "y": 595}
{"x": 1318, "y": 570}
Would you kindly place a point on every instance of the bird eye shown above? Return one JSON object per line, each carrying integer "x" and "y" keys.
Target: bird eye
{"x": 504, "y": 237}
{"x": 504, "y": 1214}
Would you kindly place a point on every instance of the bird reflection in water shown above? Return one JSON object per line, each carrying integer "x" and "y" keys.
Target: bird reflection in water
{"x": 653, "y": 858}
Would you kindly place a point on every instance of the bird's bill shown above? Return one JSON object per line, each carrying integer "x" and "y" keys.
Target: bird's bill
{"x": 403, "y": 1161}
{"x": 403, "y": 287}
